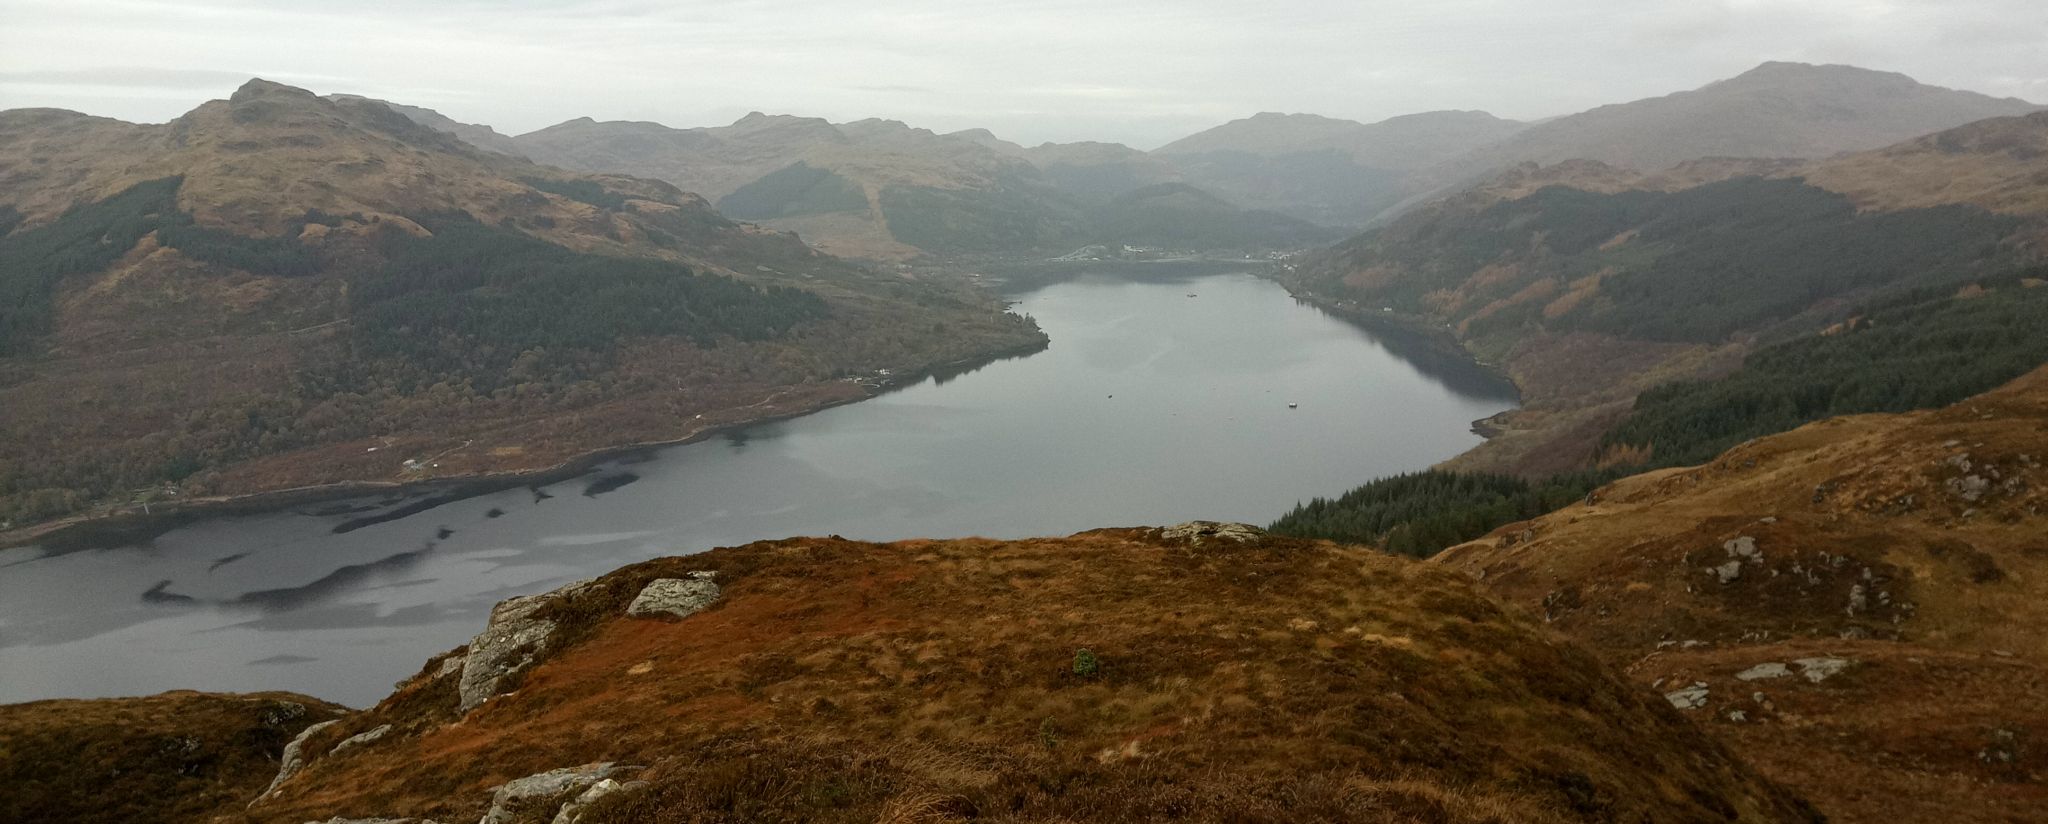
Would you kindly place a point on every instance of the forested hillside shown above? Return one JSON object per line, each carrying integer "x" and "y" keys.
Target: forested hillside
{"x": 1919, "y": 350}
{"x": 279, "y": 290}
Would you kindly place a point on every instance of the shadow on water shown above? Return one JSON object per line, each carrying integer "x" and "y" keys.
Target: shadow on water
{"x": 608, "y": 483}
{"x": 341, "y": 579}
{"x": 416, "y": 507}
{"x": 224, "y": 561}
{"x": 1436, "y": 356}
{"x": 159, "y": 595}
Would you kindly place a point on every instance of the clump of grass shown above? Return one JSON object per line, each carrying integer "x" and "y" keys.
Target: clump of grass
{"x": 1086, "y": 664}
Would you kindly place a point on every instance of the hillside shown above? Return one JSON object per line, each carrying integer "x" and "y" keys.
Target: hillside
{"x": 1328, "y": 171}
{"x": 880, "y": 189}
{"x": 1776, "y": 110}
{"x": 1203, "y": 673}
{"x": 1589, "y": 284}
{"x": 278, "y": 290}
{"x": 1854, "y": 605}
{"x": 478, "y": 135}
{"x": 175, "y": 757}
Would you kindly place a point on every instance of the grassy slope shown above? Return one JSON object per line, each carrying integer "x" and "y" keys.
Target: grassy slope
{"x": 1936, "y": 719}
{"x": 843, "y": 681}
{"x": 171, "y": 758}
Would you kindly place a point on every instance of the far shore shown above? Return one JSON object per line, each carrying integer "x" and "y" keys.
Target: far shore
{"x": 131, "y": 523}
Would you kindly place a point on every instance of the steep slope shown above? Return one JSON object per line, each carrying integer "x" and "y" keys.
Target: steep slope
{"x": 1855, "y": 605}
{"x": 478, "y": 135}
{"x": 1329, "y": 171}
{"x": 1205, "y": 673}
{"x": 1590, "y": 283}
{"x": 278, "y": 290}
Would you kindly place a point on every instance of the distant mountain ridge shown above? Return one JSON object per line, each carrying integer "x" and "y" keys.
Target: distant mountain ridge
{"x": 1590, "y": 283}
{"x": 1776, "y": 110}
{"x": 1338, "y": 172}
{"x": 884, "y": 190}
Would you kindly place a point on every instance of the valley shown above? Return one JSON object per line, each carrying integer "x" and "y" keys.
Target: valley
{"x": 339, "y": 597}
{"x": 456, "y": 469}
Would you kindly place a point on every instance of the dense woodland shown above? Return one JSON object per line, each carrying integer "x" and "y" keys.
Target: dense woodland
{"x": 798, "y": 189}
{"x": 488, "y": 306}
{"x": 1912, "y": 353}
{"x": 87, "y": 238}
{"x": 1914, "y": 350}
{"x": 1419, "y": 514}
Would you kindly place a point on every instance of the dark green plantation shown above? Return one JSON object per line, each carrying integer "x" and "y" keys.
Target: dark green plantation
{"x": 87, "y": 238}
{"x": 1912, "y": 353}
{"x": 798, "y": 189}
{"x": 1420, "y": 513}
{"x": 470, "y": 300}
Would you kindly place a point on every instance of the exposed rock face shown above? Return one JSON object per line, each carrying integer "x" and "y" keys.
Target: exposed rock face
{"x": 680, "y": 597}
{"x": 541, "y": 797}
{"x": 1196, "y": 532}
{"x": 1762, "y": 672}
{"x": 294, "y": 759}
{"x": 359, "y": 739}
{"x": 340, "y": 820}
{"x": 1821, "y": 669}
{"x": 1690, "y": 698}
{"x": 513, "y": 641}
{"x": 572, "y": 812}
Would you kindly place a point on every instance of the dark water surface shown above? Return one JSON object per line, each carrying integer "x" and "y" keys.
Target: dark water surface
{"x": 1150, "y": 407}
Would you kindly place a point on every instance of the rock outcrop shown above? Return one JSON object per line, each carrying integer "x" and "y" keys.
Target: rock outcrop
{"x": 360, "y": 739}
{"x": 1198, "y": 532}
{"x": 513, "y": 641}
{"x": 677, "y": 597}
{"x": 294, "y": 758}
{"x": 544, "y": 797}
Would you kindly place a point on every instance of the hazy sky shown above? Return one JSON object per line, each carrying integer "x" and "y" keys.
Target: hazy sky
{"x": 1142, "y": 72}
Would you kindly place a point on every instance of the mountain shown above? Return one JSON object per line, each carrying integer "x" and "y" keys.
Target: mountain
{"x": 1325, "y": 170}
{"x": 278, "y": 291}
{"x": 1204, "y": 672}
{"x": 882, "y": 190}
{"x": 1776, "y": 110}
{"x": 1590, "y": 283}
{"x": 1397, "y": 143}
{"x": 1852, "y": 605}
{"x": 482, "y": 137}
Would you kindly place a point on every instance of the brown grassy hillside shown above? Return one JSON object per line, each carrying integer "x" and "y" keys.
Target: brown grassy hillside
{"x": 171, "y": 758}
{"x": 1914, "y": 547}
{"x": 1115, "y": 675}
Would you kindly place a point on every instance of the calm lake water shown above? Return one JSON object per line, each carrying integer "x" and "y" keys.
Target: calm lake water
{"x": 1150, "y": 407}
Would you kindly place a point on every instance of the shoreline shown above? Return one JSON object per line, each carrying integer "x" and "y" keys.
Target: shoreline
{"x": 136, "y": 523}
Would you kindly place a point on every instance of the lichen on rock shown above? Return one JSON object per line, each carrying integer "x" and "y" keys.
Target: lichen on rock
{"x": 678, "y": 597}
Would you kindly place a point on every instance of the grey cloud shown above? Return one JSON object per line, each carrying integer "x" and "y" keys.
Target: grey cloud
{"x": 1137, "y": 71}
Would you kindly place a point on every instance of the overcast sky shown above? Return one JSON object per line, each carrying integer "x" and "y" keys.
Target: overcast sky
{"x": 1142, "y": 72}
